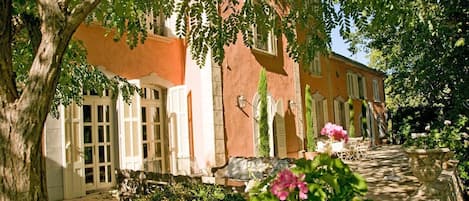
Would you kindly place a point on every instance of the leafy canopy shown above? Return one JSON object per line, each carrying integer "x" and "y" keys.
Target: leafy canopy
{"x": 207, "y": 25}
{"x": 423, "y": 47}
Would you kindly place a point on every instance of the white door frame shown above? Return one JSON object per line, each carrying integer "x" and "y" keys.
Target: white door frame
{"x": 105, "y": 141}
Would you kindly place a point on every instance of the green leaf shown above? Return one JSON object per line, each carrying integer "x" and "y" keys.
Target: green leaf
{"x": 332, "y": 181}
{"x": 459, "y": 42}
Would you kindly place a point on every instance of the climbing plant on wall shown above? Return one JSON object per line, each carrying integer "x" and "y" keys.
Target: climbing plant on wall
{"x": 351, "y": 128}
{"x": 363, "y": 120}
{"x": 310, "y": 144}
{"x": 263, "y": 148}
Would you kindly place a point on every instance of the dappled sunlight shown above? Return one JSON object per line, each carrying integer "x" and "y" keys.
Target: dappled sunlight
{"x": 388, "y": 174}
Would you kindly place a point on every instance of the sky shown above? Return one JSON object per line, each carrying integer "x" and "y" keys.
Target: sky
{"x": 339, "y": 46}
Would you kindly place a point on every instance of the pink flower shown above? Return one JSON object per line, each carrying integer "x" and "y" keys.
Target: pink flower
{"x": 334, "y": 132}
{"x": 287, "y": 182}
{"x": 303, "y": 190}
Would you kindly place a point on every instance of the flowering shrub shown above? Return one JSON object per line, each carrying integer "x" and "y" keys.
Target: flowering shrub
{"x": 439, "y": 135}
{"x": 286, "y": 182}
{"x": 323, "y": 178}
{"x": 334, "y": 132}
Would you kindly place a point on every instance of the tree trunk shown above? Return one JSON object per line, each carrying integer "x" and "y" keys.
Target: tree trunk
{"x": 22, "y": 164}
{"x": 22, "y": 117}
{"x": 22, "y": 167}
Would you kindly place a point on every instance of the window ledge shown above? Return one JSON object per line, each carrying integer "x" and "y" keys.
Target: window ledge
{"x": 263, "y": 52}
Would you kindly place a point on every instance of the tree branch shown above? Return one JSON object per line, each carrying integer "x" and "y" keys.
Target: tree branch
{"x": 8, "y": 92}
{"x": 57, "y": 27}
{"x": 79, "y": 13}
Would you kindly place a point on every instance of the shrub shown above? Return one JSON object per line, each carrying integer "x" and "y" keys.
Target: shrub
{"x": 264, "y": 147}
{"x": 310, "y": 143}
{"x": 325, "y": 177}
{"x": 194, "y": 191}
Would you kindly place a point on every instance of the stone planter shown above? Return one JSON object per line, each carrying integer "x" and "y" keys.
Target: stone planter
{"x": 426, "y": 165}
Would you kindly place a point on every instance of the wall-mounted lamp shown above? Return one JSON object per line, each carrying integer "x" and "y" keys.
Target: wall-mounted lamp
{"x": 241, "y": 100}
{"x": 291, "y": 104}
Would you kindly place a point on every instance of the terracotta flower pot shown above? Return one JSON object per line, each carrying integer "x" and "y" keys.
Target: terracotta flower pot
{"x": 426, "y": 165}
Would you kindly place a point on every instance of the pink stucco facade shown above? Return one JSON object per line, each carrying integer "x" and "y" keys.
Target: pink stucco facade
{"x": 241, "y": 69}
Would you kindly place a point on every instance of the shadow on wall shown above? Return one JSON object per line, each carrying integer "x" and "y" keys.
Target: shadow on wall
{"x": 293, "y": 141}
{"x": 54, "y": 176}
{"x": 272, "y": 63}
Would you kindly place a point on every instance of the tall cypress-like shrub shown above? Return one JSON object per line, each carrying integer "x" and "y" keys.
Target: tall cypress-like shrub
{"x": 351, "y": 128}
{"x": 263, "y": 148}
{"x": 310, "y": 144}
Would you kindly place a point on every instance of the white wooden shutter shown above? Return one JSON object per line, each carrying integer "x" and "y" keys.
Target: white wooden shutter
{"x": 326, "y": 111}
{"x": 349, "y": 84}
{"x": 375, "y": 90}
{"x": 336, "y": 112}
{"x": 74, "y": 182}
{"x": 177, "y": 105}
{"x": 281, "y": 136}
{"x": 129, "y": 129}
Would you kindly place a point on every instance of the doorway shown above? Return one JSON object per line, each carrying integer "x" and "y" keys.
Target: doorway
{"x": 97, "y": 138}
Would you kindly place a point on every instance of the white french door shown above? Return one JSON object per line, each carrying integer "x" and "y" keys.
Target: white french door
{"x": 153, "y": 138}
{"x": 97, "y": 142}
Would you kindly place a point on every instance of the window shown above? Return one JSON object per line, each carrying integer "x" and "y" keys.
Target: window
{"x": 356, "y": 86}
{"x": 155, "y": 23}
{"x": 361, "y": 87}
{"x": 265, "y": 42}
{"x": 376, "y": 90}
{"x": 151, "y": 94}
{"x": 315, "y": 66}
{"x": 152, "y": 130}
{"x": 319, "y": 112}
{"x": 97, "y": 127}
{"x": 339, "y": 112}
{"x": 351, "y": 89}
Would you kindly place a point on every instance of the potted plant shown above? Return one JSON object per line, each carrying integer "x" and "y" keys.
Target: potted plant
{"x": 335, "y": 134}
{"x": 427, "y": 153}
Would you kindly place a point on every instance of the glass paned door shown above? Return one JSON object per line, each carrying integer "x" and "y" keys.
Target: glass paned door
{"x": 152, "y": 131}
{"x": 97, "y": 143}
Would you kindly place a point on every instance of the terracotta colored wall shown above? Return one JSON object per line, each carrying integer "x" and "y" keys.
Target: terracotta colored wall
{"x": 241, "y": 69}
{"x": 160, "y": 55}
{"x": 333, "y": 83}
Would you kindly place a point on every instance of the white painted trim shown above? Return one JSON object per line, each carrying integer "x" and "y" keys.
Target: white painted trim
{"x": 177, "y": 104}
